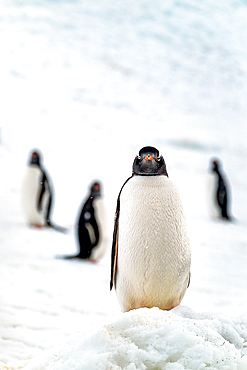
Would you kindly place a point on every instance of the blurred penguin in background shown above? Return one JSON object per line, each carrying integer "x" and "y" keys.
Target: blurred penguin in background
{"x": 37, "y": 194}
{"x": 91, "y": 226}
{"x": 219, "y": 192}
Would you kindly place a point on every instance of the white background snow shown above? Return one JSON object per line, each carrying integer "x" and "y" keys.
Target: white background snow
{"x": 89, "y": 83}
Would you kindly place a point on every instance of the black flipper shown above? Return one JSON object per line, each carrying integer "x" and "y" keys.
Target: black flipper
{"x": 115, "y": 246}
{"x": 88, "y": 230}
{"x": 45, "y": 186}
{"x": 222, "y": 198}
{"x": 43, "y": 183}
{"x": 222, "y": 193}
{"x": 114, "y": 251}
{"x": 189, "y": 280}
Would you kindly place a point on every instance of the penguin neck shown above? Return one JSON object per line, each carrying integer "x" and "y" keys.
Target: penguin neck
{"x": 217, "y": 172}
{"x": 92, "y": 198}
{"x": 149, "y": 174}
{"x": 34, "y": 165}
{"x": 37, "y": 166}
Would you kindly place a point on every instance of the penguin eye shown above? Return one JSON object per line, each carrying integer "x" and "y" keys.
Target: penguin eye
{"x": 158, "y": 159}
{"x": 138, "y": 157}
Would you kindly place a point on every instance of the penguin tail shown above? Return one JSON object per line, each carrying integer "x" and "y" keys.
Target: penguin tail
{"x": 226, "y": 217}
{"x": 70, "y": 257}
{"x": 61, "y": 229}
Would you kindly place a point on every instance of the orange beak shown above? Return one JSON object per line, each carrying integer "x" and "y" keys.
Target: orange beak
{"x": 149, "y": 157}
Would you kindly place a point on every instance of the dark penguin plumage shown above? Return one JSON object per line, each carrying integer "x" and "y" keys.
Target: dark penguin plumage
{"x": 149, "y": 163}
{"x": 37, "y": 194}
{"x": 90, "y": 231}
{"x": 150, "y": 262}
{"x": 45, "y": 186}
{"x": 221, "y": 191}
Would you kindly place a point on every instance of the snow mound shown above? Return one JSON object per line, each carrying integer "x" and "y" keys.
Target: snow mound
{"x": 154, "y": 339}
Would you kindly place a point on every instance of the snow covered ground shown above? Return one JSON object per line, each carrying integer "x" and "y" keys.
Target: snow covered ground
{"x": 89, "y": 84}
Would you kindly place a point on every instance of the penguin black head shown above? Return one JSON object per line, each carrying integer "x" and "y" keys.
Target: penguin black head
{"x": 95, "y": 190}
{"x": 35, "y": 158}
{"x": 149, "y": 163}
{"x": 215, "y": 165}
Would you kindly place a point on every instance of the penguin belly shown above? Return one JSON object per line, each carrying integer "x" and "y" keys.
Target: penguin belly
{"x": 214, "y": 208}
{"x": 30, "y": 192}
{"x": 100, "y": 214}
{"x": 153, "y": 265}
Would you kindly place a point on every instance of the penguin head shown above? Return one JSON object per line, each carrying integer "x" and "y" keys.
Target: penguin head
{"x": 215, "y": 165}
{"x": 96, "y": 190}
{"x": 149, "y": 163}
{"x": 35, "y": 158}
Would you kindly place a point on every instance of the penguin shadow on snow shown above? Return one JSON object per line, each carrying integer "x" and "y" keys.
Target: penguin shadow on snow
{"x": 37, "y": 194}
{"x": 219, "y": 192}
{"x": 91, "y": 227}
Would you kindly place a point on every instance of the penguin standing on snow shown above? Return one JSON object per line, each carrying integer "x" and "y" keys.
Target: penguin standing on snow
{"x": 150, "y": 265}
{"x": 37, "y": 194}
{"x": 91, "y": 226}
{"x": 219, "y": 201}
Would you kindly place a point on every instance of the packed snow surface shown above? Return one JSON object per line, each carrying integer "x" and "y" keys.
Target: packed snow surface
{"x": 90, "y": 83}
{"x": 154, "y": 339}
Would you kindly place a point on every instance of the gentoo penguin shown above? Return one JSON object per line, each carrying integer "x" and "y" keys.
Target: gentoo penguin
{"x": 37, "y": 194}
{"x": 150, "y": 265}
{"x": 219, "y": 192}
{"x": 91, "y": 226}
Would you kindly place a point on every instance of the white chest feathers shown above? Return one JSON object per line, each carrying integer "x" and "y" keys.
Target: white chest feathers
{"x": 30, "y": 192}
{"x": 153, "y": 245}
{"x": 101, "y": 219}
{"x": 212, "y": 187}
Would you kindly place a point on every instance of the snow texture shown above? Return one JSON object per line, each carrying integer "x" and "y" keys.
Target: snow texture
{"x": 153, "y": 339}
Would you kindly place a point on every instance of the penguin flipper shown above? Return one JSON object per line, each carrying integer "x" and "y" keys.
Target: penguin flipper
{"x": 189, "y": 280}
{"x": 42, "y": 191}
{"x": 114, "y": 251}
{"x": 221, "y": 197}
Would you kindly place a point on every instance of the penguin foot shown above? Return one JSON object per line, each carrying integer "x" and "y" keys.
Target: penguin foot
{"x": 226, "y": 218}
{"x": 94, "y": 261}
{"x": 37, "y": 226}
